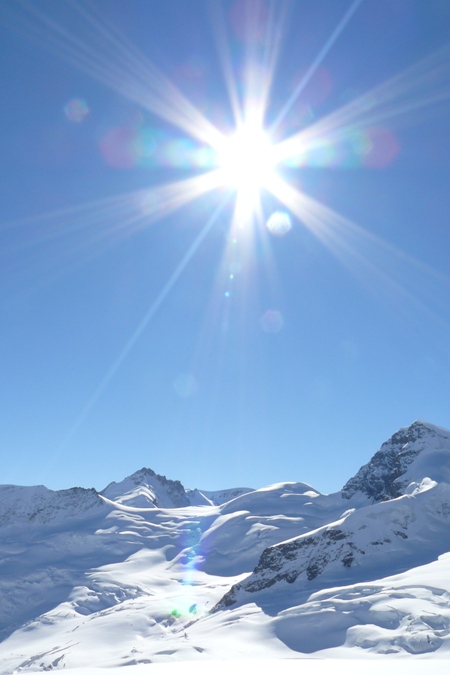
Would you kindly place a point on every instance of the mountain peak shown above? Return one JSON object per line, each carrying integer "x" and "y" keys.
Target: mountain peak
{"x": 416, "y": 431}
{"x": 145, "y": 488}
{"x": 413, "y": 453}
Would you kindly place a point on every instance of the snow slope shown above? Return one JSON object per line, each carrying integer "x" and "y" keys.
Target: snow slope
{"x": 215, "y": 498}
{"x": 287, "y": 666}
{"x": 148, "y": 572}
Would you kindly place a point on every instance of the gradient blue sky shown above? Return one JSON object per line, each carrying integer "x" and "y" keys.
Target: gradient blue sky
{"x": 135, "y": 335}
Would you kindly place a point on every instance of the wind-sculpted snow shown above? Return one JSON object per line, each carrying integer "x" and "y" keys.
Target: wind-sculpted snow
{"x": 404, "y": 614}
{"x": 250, "y": 523}
{"x": 286, "y": 498}
{"x": 147, "y": 571}
{"x": 43, "y": 559}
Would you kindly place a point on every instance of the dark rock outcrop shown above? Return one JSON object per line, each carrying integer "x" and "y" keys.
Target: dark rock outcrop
{"x": 380, "y": 479}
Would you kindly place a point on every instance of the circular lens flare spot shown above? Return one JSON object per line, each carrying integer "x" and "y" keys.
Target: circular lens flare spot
{"x": 272, "y": 321}
{"x": 279, "y": 223}
{"x": 76, "y": 110}
{"x": 185, "y": 385}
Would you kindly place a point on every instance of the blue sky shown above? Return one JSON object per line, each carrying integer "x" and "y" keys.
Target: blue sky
{"x": 145, "y": 325}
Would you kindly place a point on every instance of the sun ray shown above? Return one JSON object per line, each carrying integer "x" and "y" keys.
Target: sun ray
{"x": 242, "y": 165}
{"x": 184, "y": 114}
{"x": 249, "y": 109}
{"x": 381, "y": 267}
{"x": 172, "y": 196}
{"x": 222, "y": 43}
{"x": 65, "y": 238}
{"x": 415, "y": 89}
{"x": 123, "y": 67}
{"x": 137, "y": 333}
{"x": 118, "y": 65}
{"x": 315, "y": 64}
{"x": 147, "y": 205}
{"x": 261, "y": 62}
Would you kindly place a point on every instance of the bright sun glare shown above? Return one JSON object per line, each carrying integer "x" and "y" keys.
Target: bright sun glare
{"x": 247, "y": 161}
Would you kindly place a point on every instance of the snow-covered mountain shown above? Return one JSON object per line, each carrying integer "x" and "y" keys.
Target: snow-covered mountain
{"x": 147, "y": 571}
{"x": 408, "y": 457}
{"x": 147, "y": 489}
{"x": 398, "y": 515}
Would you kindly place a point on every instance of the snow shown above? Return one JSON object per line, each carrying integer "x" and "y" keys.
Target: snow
{"x": 285, "y": 666}
{"x": 214, "y": 498}
{"x": 130, "y": 577}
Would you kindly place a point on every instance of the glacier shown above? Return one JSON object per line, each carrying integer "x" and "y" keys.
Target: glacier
{"x": 148, "y": 572}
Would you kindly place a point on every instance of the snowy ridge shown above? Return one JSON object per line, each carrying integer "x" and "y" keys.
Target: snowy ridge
{"x": 147, "y": 572}
{"x": 20, "y": 505}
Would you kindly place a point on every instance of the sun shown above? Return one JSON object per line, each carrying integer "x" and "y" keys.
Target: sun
{"x": 247, "y": 162}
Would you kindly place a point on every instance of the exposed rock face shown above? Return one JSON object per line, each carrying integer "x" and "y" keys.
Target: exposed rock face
{"x": 380, "y": 479}
{"x": 307, "y": 556}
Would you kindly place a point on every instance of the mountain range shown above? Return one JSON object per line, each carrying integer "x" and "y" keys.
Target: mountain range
{"x": 147, "y": 571}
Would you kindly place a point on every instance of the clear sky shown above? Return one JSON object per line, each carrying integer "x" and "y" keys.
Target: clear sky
{"x": 224, "y": 237}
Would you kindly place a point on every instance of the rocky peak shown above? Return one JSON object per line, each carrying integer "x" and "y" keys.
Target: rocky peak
{"x": 147, "y": 488}
{"x": 174, "y": 488}
{"x": 418, "y": 430}
{"x": 384, "y": 477}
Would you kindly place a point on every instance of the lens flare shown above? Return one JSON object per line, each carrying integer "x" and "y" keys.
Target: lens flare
{"x": 76, "y": 110}
{"x": 272, "y": 321}
{"x": 279, "y": 223}
{"x": 359, "y": 133}
{"x": 185, "y": 385}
